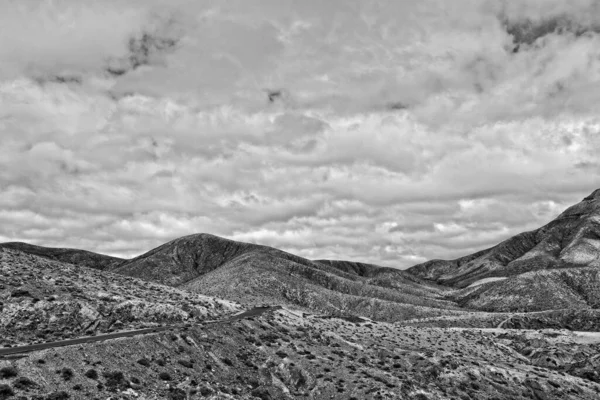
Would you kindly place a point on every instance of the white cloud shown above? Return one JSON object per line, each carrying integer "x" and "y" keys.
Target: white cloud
{"x": 396, "y": 131}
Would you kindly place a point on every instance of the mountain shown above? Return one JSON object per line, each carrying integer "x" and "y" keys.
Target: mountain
{"x": 72, "y": 256}
{"x": 184, "y": 259}
{"x": 572, "y": 240}
{"x": 255, "y": 274}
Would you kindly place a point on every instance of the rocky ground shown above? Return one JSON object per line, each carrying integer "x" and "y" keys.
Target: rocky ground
{"x": 44, "y": 300}
{"x": 288, "y": 355}
{"x": 572, "y": 319}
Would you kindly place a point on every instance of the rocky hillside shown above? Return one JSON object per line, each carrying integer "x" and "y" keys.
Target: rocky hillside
{"x": 288, "y": 355}
{"x": 254, "y": 274}
{"x": 535, "y": 291}
{"x": 46, "y": 300}
{"x": 184, "y": 259}
{"x": 72, "y": 256}
{"x": 572, "y": 240}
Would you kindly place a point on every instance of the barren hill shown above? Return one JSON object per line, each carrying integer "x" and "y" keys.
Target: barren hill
{"x": 255, "y": 274}
{"x": 43, "y": 299}
{"x": 72, "y": 256}
{"x": 572, "y": 240}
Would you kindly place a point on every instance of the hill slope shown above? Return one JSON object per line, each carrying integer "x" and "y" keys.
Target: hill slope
{"x": 72, "y": 256}
{"x": 572, "y": 240}
{"x": 45, "y": 300}
{"x": 252, "y": 274}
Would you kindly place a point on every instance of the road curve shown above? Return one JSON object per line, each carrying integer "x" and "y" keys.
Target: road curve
{"x": 98, "y": 338}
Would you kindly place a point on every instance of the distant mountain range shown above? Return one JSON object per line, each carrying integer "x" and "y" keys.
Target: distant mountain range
{"x": 553, "y": 267}
{"x": 255, "y": 274}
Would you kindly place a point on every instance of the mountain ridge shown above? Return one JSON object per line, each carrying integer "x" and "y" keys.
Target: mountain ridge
{"x": 72, "y": 256}
{"x": 571, "y": 240}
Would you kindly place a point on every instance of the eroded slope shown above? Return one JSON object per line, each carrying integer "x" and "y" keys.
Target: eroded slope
{"x": 45, "y": 300}
{"x": 572, "y": 240}
{"x": 253, "y": 274}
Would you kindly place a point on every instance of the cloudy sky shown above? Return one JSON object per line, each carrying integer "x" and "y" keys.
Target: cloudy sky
{"x": 388, "y": 132}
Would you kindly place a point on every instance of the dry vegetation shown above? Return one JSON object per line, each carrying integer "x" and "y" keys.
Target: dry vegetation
{"x": 43, "y": 300}
{"x": 287, "y": 355}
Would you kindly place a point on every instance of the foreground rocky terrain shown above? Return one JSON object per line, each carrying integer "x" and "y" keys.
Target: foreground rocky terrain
{"x": 45, "y": 300}
{"x": 287, "y": 355}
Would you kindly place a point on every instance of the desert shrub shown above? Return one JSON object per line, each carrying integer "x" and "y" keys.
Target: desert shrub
{"x": 144, "y": 361}
{"x": 6, "y": 392}
{"x": 135, "y": 380}
{"x": 91, "y": 373}
{"x": 227, "y": 361}
{"x": 8, "y": 372}
{"x": 186, "y": 363}
{"x": 62, "y": 395}
{"x": 77, "y": 387}
{"x": 115, "y": 380}
{"x": 161, "y": 362}
{"x": 23, "y": 383}
{"x": 20, "y": 293}
{"x": 164, "y": 376}
{"x": 261, "y": 393}
{"x": 177, "y": 394}
{"x": 205, "y": 391}
{"x": 66, "y": 373}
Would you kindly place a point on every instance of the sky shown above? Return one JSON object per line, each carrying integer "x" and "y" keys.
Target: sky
{"x": 388, "y": 132}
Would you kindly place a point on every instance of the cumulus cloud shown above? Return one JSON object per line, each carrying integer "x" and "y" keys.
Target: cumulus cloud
{"x": 389, "y": 132}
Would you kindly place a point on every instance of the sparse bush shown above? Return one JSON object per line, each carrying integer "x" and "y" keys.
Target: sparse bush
{"x": 161, "y": 362}
{"x": 66, "y": 373}
{"x": 261, "y": 393}
{"x": 6, "y": 392}
{"x": 186, "y": 363}
{"x": 8, "y": 372}
{"x": 164, "y": 376}
{"x": 205, "y": 391}
{"x": 62, "y": 395}
{"x": 20, "y": 293}
{"x": 23, "y": 383}
{"x": 144, "y": 361}
{"x": 177, "y": 394}
{"x": 227, "y": 361}
{"x": 115, "y": 380}
{"x": 91, "y": 373}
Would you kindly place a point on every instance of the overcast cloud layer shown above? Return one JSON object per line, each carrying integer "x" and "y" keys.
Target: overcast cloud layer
{"x": 388, "y": 132}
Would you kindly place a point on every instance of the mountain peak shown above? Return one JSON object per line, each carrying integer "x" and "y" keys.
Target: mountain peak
{"x": 594, "y": 196}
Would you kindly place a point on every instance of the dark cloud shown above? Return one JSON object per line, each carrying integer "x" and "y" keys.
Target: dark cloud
{"x": 527, "y": 31}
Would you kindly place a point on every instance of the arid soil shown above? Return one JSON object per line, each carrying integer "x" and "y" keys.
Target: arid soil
{"x": 289, "y": 355}
{"x": 43, "y": 300}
